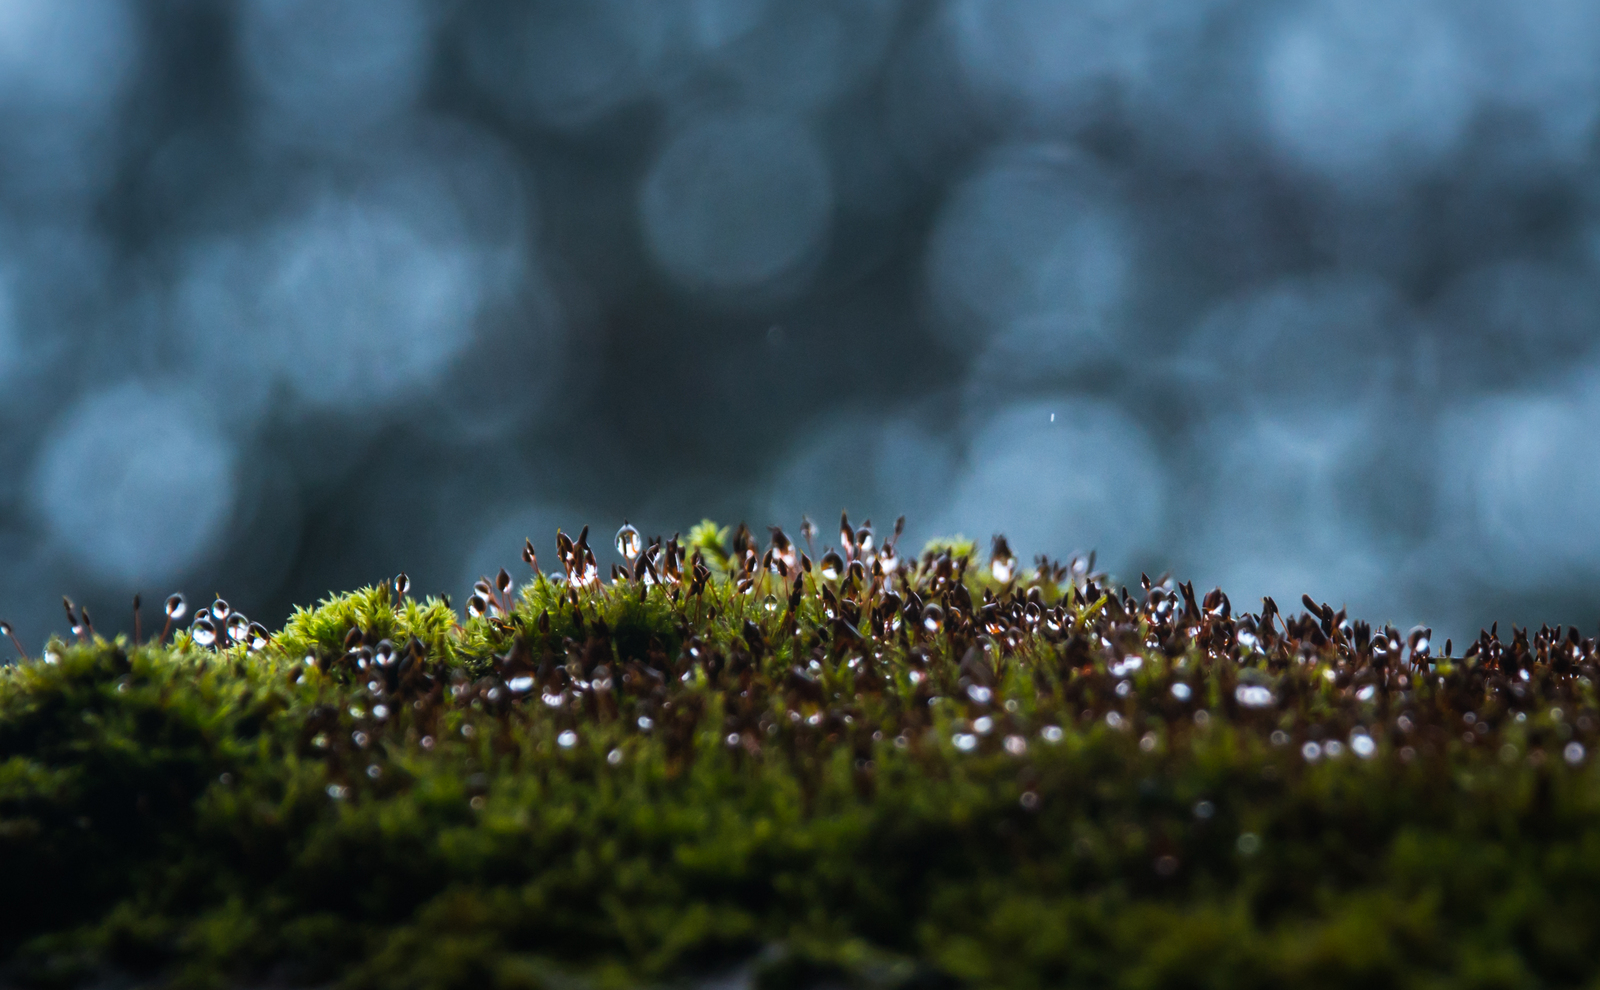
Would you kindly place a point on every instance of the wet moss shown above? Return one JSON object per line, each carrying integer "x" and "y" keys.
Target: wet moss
{"x": 931, "y": 771}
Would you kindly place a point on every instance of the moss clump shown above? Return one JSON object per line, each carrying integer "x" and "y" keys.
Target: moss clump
{"x": 938, "y": 771}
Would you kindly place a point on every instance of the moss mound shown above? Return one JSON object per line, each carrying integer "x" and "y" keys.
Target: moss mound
{"x": 729, "y": 763}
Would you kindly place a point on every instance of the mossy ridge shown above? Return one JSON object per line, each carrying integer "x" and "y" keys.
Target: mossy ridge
{"x": 520, "y": 799}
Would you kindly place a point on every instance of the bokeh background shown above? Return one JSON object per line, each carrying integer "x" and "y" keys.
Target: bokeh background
{"x": 1284, "y": 295}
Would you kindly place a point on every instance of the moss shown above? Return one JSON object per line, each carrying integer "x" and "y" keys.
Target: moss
{"x": 924, "y": 777}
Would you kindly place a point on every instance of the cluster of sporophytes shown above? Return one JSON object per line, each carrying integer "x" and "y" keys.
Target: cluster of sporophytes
{"x": 867, "y": 770}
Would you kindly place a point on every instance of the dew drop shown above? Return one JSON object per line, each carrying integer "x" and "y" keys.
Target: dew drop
{"x": 384, "y": 653}
{"x": 259, "y": 637}
{"x": 932, "y": 617}
{"x": 628, "y": 543}
{"x": 832, "y": 565}
{"x": 1003, "y": 569}
{"x": 771, "y": 604}
{"x": 476, "y": 606}
{"x": 5, "y": 628}
{"x": 176, "y": 607}
{"x": 238, "y": 627}
{"x": 220, "y": 610}
{"x": 204, "y": 631}
{"x": 402, "y": 584}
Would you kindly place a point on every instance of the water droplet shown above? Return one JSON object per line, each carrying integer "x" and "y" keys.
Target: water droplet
{"x": 259, "y": 637}
{"x": 831, "y": 565}
{"x": 771, "y": 604}
{"x": 481, "y": 587}
{"x": 629, "y": 544}
{"x": 238, "y": 627}
{"x": 220, "y": 610}
{"x": 176, "y": 607}
{"x": 384, "y": 652}
{"x": 476, "y": 606}
{"x": 204, "y": 631}
{"x": 864, "y": 539}
{"x": 567, "y": 739}
{"x": 5, "y": 628}
{"x": 1253, "y": 696}
{"x": 646, "y": 723}
{"x": 932, "y": 617}
{"x": 402, "y": 584}
{"x": 888, "y": 559}
{"x": 1003, "y": 569}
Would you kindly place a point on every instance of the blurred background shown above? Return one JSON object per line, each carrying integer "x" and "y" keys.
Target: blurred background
{"x": 1283, "y": 295}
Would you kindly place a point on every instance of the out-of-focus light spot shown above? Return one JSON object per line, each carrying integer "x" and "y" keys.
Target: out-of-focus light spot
{"x": 1313, "y": 339}
{"x": 567, "y": 64}
{"x": 136, "y": 483}
{"x": 737, "y": 203}
{"x": 64, "y": 65}
{"x": 1504, "y": 323}
{"x": 1521, "y": 479}
{"x": 329, "y": 68}
{"x": 1363, "y": 91}
{"x": 1278, "y": 511}
{"x": 1540, "y": 59}
{"x": 803, "y": 56}
{"x": 1092, "y": 480}
{"x": 1052, "y": 60}
{"x": 357, "y": 300}
{"x": 1037, "y": 249}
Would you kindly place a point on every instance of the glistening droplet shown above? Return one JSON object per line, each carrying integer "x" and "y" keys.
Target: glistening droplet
{"x": 402, "y": 584}
{"x": 220, "y": 610}
{"x": 176, "y": 607}
{"x": 476, "y": 606}
{"x": 204, "y": 631}
{"x": 259, "y": 637}
{"x": 932, "y": 617}
{"x": 238, "y": 627}
{"x": 832, "y": 565}
{"x": 628, "y": 542}
{"x": 771, "y": 604}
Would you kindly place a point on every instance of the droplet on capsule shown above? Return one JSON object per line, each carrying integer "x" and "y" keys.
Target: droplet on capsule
{"x": 176, "y": 607}
{"x": 628, "y": 542}
{"x": 832, "y": 565}
{"x": 203, "y": 632}
{"x": 476, "y": 606}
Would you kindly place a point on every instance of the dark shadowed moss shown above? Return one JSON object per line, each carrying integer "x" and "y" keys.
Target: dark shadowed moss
{"x": 914, "y": 773}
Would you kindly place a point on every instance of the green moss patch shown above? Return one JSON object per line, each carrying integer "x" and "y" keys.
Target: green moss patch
{"x": 870, "y": 771}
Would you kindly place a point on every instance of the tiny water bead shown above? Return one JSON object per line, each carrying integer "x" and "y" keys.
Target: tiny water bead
{"x": 238, "y": 627}
{"x": 629, "y": 544}
{"x": 176, "y": 608}
{"x": 203, "y": 631}
{"x": 831, "y": 565}
{"x": 402, "y": 584}
{"x": 477, "y": 606}
{"x": 220, "y": 610}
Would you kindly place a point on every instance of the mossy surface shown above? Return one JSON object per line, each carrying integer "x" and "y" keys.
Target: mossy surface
{"x": 916, "y": 775}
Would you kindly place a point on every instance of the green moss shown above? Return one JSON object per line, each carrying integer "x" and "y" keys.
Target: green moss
{"x": 915, "y": 779}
